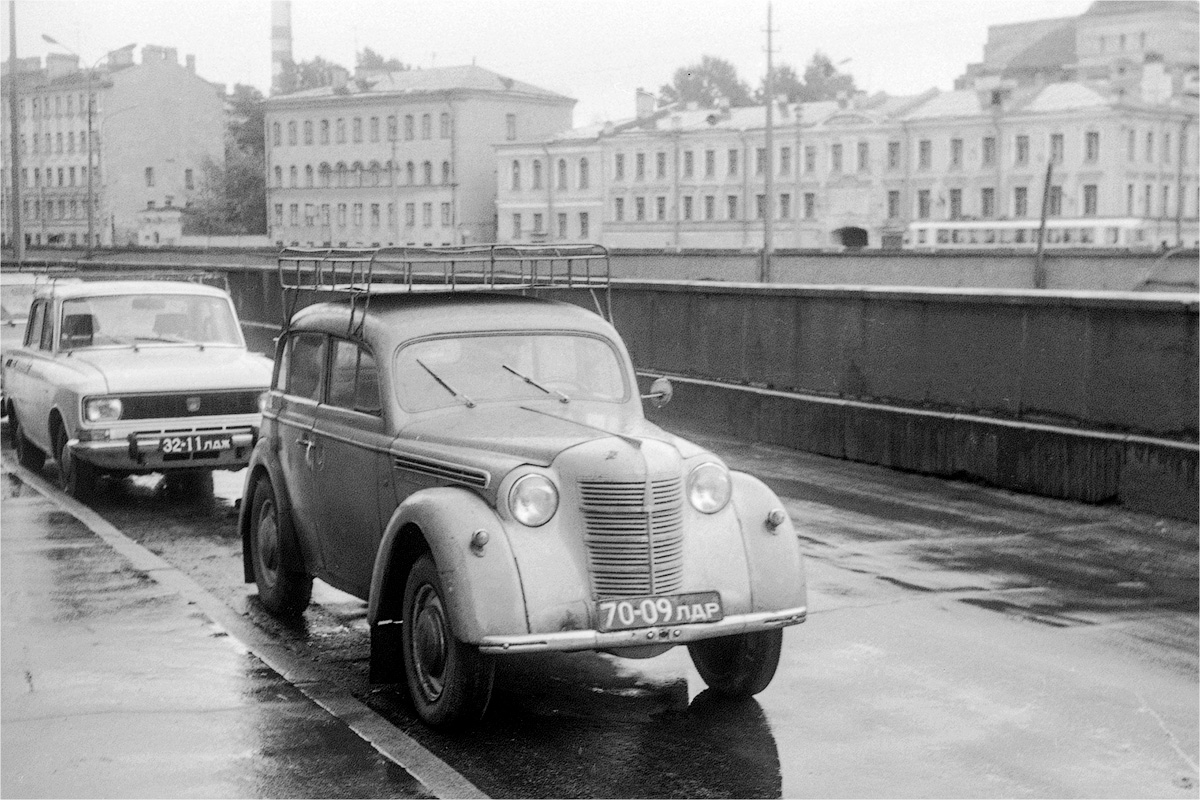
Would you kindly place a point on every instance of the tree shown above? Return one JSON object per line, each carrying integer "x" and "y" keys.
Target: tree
{"x": 370, "y": 60}
{"x": 232, "y": 197}
{"x": 245, "y": 126}
{"x": 786, "y": 83}
{"x": 822, "y": 81}
{"x": 300, "y": 75}
{"x": 706, "y": 84}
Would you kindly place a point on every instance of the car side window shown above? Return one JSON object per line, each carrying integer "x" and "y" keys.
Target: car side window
{"x": 305, "y": 363}
{"x": 353, "y": 379}
{"x": 34, "y": 332}
{"x": 47, "y": 342}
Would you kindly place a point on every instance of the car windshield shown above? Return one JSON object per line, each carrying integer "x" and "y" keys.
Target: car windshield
{"x": 135, "y": 319}
{"x": 469, "y": 370}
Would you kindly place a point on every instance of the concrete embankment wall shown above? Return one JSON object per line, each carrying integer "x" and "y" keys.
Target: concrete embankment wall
{"x": 1080, "y": 395}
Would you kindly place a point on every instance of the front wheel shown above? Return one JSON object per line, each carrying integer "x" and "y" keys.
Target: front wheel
{"x": 76, "y": 477}
{"x": 740, "y": 665}
{"x": 450, "y": 682}
{"x": 28, "y": 455}
{"x": 284, "y": 593}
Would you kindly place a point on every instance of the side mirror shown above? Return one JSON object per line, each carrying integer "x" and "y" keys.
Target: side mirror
{"x": 661, "y": 392}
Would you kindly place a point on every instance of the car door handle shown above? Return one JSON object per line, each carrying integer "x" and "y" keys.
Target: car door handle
{"x": 307, "y": 444}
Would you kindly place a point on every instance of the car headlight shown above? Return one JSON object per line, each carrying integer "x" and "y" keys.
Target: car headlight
{"x": 709, "y": 487}
{"x": 533, "y": 500}
{"x": 102, "y": 409}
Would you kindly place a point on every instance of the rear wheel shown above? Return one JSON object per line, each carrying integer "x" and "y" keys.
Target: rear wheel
{"x": 738, "y": 666}
{"x": 284, "y": 593}
{"x": 76, "y": 477}
{"x": 450, "y": 682}
{"x": 28, "y": 455}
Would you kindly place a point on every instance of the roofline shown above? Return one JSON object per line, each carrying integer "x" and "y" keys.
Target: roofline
{"x": 419, "y": 95}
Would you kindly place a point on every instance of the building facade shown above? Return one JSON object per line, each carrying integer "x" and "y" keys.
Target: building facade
{"x": 153, "y": 125}
{"x": 399, "y": 158}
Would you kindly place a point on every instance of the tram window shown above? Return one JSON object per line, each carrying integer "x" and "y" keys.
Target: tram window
{"x": 920, "y": 236}
{"x": 1113, "y": 235}
{"x": 1019, "y": 236}
{"x": 1139, "y": 235}
{"x": 943, "y": 236}
{"x": 1068, "y": 235}
{"x": 1087, "y": 235}
{"x": 1053, "y": 236}
{"x": 989, "y": 236}
{"x": 1006, "y": 236}
{"x": 973, "y": 236}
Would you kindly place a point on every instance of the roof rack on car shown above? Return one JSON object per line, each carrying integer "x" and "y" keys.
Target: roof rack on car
{"x": 361, "y": 272}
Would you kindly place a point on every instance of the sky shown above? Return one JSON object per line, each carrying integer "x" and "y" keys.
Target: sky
{"x": 596, "y": 51}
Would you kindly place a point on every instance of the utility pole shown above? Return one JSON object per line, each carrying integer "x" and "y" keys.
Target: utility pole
{"x": 769, "y": 160}
{"x": 1039, "y": 269}
{"x": 14, "y": 208}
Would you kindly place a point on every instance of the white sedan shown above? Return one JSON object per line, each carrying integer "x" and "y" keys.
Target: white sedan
{"x": 131, "y": 377}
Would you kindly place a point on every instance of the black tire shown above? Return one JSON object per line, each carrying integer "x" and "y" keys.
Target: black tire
{"x": 76, "y": 477}
{"x": 190, "y": 482}
{"x": 738, "y": 666}
{"x": 284, "y": 593}
{"x": 28, "y": 455}
{"x": 450, "y": 682}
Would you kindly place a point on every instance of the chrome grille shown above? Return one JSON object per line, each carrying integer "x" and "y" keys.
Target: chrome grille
{"x": 211, "y": 404}
{"x": 634, "y": 536}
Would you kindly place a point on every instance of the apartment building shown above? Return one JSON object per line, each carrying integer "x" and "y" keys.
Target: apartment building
{"x": 152, "y": 126}
{"x": 397, "y": 158}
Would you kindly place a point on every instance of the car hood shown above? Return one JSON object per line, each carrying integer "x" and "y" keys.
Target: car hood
{"x": 535, "y": 433}
{"x": 176, "y": 369}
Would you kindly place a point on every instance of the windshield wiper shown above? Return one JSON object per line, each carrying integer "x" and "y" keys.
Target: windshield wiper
{"x": 470, "y": 403}
{"x": 562, "y": 398}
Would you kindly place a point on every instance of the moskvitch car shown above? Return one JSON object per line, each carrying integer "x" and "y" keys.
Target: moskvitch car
{"x": 126, "y": 377}
{"x": 475, "y": 464}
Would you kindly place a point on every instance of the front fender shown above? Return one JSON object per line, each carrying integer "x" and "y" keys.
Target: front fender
{"x": 482, "y": 585}
{"x": 776, "y": 568}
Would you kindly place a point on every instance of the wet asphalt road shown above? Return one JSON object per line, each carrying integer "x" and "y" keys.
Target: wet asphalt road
{"x": 962, "y": 641}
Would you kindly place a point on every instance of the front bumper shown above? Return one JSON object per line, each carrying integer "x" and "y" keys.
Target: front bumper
{"x": 140, "y": 451}
{"x": 640, "y": 637}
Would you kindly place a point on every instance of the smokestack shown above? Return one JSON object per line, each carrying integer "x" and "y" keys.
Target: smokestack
{"x": 281, "y": 42}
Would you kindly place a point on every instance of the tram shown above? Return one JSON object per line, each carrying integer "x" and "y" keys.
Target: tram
{"x": 1106, "y": 233}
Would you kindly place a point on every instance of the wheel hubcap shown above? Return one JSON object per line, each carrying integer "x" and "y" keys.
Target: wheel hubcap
{"x": 268, "y": 541}
{"x": 430, "y": 642}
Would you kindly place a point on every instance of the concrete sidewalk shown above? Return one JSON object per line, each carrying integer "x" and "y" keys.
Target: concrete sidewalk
{"x": 117, "y": 683}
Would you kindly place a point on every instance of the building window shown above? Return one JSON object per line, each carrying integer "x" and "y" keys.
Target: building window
{"x": 279, "y": 177}
{"x": 760, "y": 160}
{"x": 1022, "y": 157}
{"x": 309, "y": 215}
{"x": 785, "y": 161}
{"x": 188, "y": 181}
{"x": 341, "y": 215}
{"x": 340, "y": 131}
{"x": 410, "y": 217}
{"x": 426, "y": 126}
{"x": 619, "y": 209}
{"x": 660, "y": 208}
{"x": 1129, "y": 199}
{"x": 893, "y": 204}
{"x": 510, "y": 126}
{"x": 409, "y": 130}
{"x": 785, "y": 206}
{"x": 893, "y": 155}
{"x": 619, "y": 167}
{"x": 835, "y": 158}
{"x": 294, "y": 214}
{"x": 956, "y": 153}
{"x": 427, "y": 172}
{"x": 989, "y": 151}
{"x": 308, "y": 132}
{"x": 1056, "y": 148}
{"x": 292, "y": 133}
{"x": 516, "y": 175}
{"x": 733, "y": 162}
{"x": 537, "y": 223}
{"x": 308, "y": 176}
{"x": 583, "y": 173}
{"x": 562, "y": 173}
{"x": 710, "y": 163}
{"x": 731, "y": 206}
{"x": 279, "y": 215}
{"x": 1147, "y": 208}
{"x": 149, "y": 176}
{"x": 358, "y": 215}
{"x": 687, "y": 207}
{"x": 444, "y": 126}
{"x": 864, "y": 156}
{"x": 1091, "y": 199}
{"x": 810, "y": 205}
{"x": 562, "y": 226}
{"x": 1020, "y": 201}
{"x": 689, "y": 163}
{"x": 324, "y": 131}
{"x": 325, "y": 214}
{"x": 1162, "y": 209}
{"x": 356, "y": 130}
{"x": 1055, "y": 206}
{"x": 925, "y": 154}
{"x": 660, "y": 165}
{"x": 446, "y": 215}
{"x": 639, "y": 205}
{"x": 760, "y": 206}
{"x": 639, "y": 168}
{"x": 393, "y": 129}
{"x": 1091, "y": 146}
{"x": 1131, "y": 146}
{"x": 583, "y": 225}
{"x": 516, "y": 226}
{"x": 276, "y": 135}
{"x": 71, "y": 177}
{"x": 1166, "y": 148}
{"x": 427, "y": 215}
{"x": 374, "y": 129}
{"x": 810, "y": 159}
{"x": 537, "y": 174}
{"x": 924, "y": 206}
{"x": 956, "y": 211}
{"x": 987, "y": 202}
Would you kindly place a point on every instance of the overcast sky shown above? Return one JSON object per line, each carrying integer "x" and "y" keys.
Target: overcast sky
{"x": 597, "y": 51}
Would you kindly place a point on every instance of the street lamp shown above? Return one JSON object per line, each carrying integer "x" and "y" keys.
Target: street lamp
{"x": 91, "y": 112}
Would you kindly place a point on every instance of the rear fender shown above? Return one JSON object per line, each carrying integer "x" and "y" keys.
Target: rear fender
{"x": 482, "y": 585}
{"x": 776, "y": 568}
